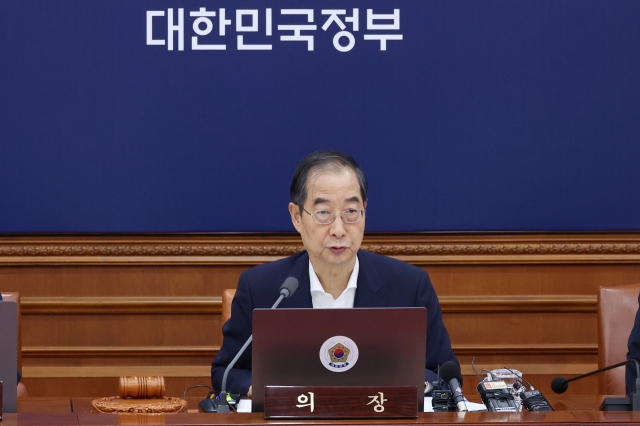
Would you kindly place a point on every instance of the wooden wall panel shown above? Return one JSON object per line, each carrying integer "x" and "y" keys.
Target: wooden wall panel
{"x": 515, "y": 279}
{"x": 98, "y": 307}
{"x": 119, "y": 330}
{"x": 120, "y": 280}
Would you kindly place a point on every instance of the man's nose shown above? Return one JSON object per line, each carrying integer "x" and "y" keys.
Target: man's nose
{"x": 337, "y": 227}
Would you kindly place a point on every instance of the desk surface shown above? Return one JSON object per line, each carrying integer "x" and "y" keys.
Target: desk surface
{"x": 570, "y": 410}
{"x": 566, "y": 418}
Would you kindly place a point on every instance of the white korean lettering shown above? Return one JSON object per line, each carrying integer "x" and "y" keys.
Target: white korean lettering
{"x": 372, "y": 18}
{"x": 203, "y": 17}
{"x": 383, "y": 38}
{"x": 224, "y": 23}
{"x": 395, "y": 17}
{"x": 297, "y": 29}
{"x": 379, "y": 400}
{"x": 381, "y": 27}
{"x": 304, "y": 401}
{"x": 268, "y": 21}
{"x": 334, "y": 17}
{"x": 150, "y": 40}
{"x": 175, "y": 28}
{"x": 252, "y": 27}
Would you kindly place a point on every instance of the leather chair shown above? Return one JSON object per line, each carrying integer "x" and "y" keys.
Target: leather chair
{"x": 227, "y": 298}
{"x": 617, "y": 308}
{"x": 15, "y": 297}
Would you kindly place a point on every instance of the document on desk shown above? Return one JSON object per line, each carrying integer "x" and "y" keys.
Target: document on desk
{"x": 244, "y": 406}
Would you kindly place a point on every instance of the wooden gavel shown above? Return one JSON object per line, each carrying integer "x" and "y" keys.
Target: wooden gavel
{"x": 141, "y": 387}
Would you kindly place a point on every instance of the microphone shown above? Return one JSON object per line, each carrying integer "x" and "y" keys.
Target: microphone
{"x": 286, "y": 290}
{"x": 560, "y": 384}
{"x": 451, "y": 374}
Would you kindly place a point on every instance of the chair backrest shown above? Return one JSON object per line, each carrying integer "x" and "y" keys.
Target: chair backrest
{"x": 617, "y": 308}
{"x": 15, "y": 297}
{"x": 227, "y": 298}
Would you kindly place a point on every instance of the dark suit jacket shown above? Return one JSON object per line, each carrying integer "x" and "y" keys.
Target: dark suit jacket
{"x": 634, "y": 353}
{"x": 382, "y": 282}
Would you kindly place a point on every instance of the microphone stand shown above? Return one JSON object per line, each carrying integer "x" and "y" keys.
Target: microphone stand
{"x": 223, "y": 404}
{"x": 627, "y": 403}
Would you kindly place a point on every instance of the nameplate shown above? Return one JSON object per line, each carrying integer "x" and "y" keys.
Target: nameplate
{"x": 340, "y": 402}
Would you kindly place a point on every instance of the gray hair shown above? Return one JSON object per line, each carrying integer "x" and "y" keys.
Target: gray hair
{"x": 330, "y": 161}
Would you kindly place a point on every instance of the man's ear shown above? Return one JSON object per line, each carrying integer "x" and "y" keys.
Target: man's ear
{"x": 294, "y": 211}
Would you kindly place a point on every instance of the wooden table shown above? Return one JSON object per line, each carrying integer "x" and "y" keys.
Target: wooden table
{"x": 570, "y": 411}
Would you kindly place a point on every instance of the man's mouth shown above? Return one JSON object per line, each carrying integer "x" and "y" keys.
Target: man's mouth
{"x": 337, "y": 250}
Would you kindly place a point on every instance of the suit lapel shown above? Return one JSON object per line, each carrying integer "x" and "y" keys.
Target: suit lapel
{"x": 369, "y": 284}
{"x": 302, "y": 297}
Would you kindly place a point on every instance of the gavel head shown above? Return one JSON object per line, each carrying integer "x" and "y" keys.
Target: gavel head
{"x": 141, "y": 387}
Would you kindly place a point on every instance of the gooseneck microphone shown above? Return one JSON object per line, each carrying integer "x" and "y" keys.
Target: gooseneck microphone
{"x": 560, "y": 384}
{"x": 286, "y": 290}
{"x": 451, "y": 374}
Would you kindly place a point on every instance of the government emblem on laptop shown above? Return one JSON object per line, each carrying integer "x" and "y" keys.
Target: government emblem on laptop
{"x": 338, "y": 354}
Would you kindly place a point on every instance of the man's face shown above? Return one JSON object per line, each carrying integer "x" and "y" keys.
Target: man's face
{"x": 336, "y": 244}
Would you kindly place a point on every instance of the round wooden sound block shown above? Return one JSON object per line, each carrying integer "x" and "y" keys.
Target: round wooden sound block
{"x": 115, "y": 404}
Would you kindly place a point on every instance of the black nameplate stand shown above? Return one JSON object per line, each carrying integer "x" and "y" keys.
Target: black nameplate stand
{"x": 627, "y": 403}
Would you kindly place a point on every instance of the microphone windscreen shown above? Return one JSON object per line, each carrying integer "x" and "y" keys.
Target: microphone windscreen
{"x": 450, "y": 370}
{"x": 559, "y": 385}
{"x": 289, "y": 286}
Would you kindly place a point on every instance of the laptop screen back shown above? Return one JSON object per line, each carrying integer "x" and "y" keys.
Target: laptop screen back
{"x": 338, "y": 347}
{"x": 9, "y": 354}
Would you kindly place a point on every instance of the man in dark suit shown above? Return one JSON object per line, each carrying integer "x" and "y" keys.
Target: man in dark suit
{"x": 328, "y": 205}
{"x": 634, "y": 353}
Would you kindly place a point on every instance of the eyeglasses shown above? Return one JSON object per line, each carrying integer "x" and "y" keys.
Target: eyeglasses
{"x": 325, "y": 217}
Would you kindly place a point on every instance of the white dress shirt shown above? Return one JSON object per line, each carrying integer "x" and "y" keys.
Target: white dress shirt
{"x": 323, "y": 300}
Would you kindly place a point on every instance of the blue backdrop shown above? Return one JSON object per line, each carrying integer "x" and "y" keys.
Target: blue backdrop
{"x": 486, "y": 115}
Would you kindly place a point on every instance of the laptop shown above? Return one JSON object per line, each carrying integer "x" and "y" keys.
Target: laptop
{"x": 9, "y": 355}
{"x": 338, "y": 347}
